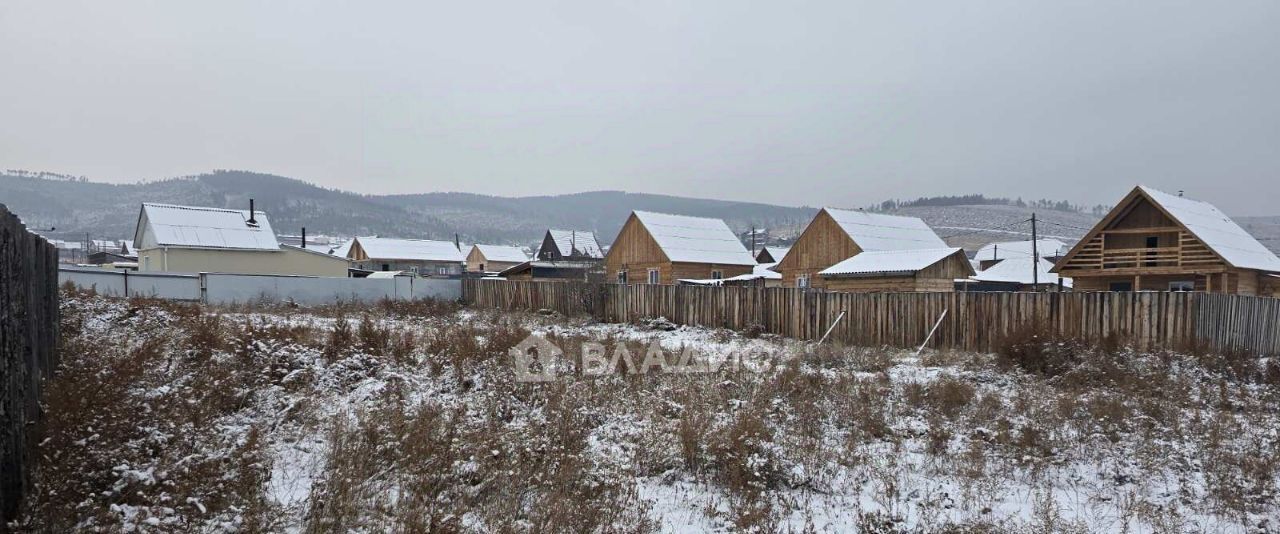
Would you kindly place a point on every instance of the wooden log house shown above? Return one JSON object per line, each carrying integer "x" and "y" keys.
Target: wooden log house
{"x": 1156, "y": 241}
{"x": 835, "y": 235}
{"x": 657, "y": 248}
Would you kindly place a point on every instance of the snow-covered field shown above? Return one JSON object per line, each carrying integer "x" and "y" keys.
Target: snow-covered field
{"x": 409, "y": 418}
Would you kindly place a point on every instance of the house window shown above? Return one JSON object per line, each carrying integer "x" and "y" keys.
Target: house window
{"x": 482, "y": 267}
{"x": 802, "y": 281}
{"x": 146, "y": 263}
{"x": 622, "y": 277}
{"x": 413, "y": 270}
{"x": 653, "y": 276}
{"x": 1182, "y": 285}
{"x": 1121, "y": 286}
{"x": 386, "y": 267}
{"x": 717, "y": 275}
{"x": 442, "y": 270}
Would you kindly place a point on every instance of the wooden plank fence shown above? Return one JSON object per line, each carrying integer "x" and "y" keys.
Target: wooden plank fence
{"x": 28, "y": 339}
{"x": 974, "y": 321}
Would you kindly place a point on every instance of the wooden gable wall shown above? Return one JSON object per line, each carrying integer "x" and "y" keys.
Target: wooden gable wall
{"x": 822, "y": 244}
{"x": 1119, "y": 245}
{"x": 635, "y": 251}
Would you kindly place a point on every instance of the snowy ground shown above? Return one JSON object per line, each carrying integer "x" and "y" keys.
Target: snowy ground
{"x": 173, "y": 418}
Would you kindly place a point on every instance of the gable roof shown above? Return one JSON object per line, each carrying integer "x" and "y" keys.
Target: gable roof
{"x": 695, "y": 239}
{"x": 1203, "y": 220}
{"x": 775, "y": 252}
{"x": 502, "y": 253}
{"x": 584, "y": 243}
{"x": 889, "y": 262}
{"x": 1018, "y": 270}
{"x": 877, "y": 231}
{"x": 1217, "y": 231}
{"x": 387, "y": 248}
{"x": 1021, "y": 249}
{"x": 198, "y": 227}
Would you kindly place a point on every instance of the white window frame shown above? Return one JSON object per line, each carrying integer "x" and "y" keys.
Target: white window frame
{"x": 654, "y": 277}
{"x": 1182, "y": 285}
{"x": 622, "y": 276}
{"x": 802, "y": 281}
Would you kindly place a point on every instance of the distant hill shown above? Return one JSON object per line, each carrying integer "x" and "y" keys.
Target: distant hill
{"x": 76, "y": 206}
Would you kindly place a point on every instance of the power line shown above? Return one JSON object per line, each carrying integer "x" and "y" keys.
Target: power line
{"x": 1066, "y": 226}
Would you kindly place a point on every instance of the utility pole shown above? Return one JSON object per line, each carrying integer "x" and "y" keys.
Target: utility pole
{"x": 1035, "y": 256}
{"x": 753, "y": 241}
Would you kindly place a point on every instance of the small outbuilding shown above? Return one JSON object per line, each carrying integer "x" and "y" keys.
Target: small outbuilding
{"x": 579, "y": 271}
{"x": 658, "y": 248}
{"x": 771, "y": 254}
{"x": 835, "y": 235}
{"x": 494, "y": 258}
{"x": 899, "y": 271}
{"x": 1015, "y": 274}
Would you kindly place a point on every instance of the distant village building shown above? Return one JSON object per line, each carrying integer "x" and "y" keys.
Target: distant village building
{"x": 494, "y": 258}
{"x": 192, "y": 239}
{"x": 577, "y": 271}
{"x": 1015, "y": 274}
{"x": 658, "y": 248}
{"x": 1156, "y": 241}
{"x": 933, "y": 270}
{"x": 771, "y": 254}
{"x": 569, "y": 245}
{"x": 420, "y": 256}
{"x": 835, "y": 235}
{"x": 993, "y": 253}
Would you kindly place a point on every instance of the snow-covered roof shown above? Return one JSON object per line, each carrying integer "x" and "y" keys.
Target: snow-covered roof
{"x": 876, "y": 231}
{"x": 888, "y": 262}
{"x": 761, "y": 270}
{"x": 503, "y": 253}
{"x": 388, "y": 274}
{"x": 695, "y": 239}
{"x": 197, "y": 227}
{"x": 1018, "y": 270}
{"x": 1217, "y": 231}
{"x": 341, "y": 249}
{"x": 775, "y": 252}
{"x": 1021, "y": 249}
{"x": 387, "y": 248}
{"x": 568, "y": 241}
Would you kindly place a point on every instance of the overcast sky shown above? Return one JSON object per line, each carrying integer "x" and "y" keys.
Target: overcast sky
{"x": 820, "y": 103}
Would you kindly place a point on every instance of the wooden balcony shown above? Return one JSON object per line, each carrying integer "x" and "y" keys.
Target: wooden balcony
{"x": 1185, "y": 254}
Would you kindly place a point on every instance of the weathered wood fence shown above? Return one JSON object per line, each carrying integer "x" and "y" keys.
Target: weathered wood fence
{"x": 974, "y": 321}
{"x": 28, "y": 342}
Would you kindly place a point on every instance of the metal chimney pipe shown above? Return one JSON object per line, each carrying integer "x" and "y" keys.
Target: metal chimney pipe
{"x": 304, "y": 237}
{"x": 252, "y": 220}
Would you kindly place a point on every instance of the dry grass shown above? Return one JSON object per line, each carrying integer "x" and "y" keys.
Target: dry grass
{"x": 410, "y": 413}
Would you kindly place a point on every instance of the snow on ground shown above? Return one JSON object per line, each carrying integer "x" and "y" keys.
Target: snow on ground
{"x": 375, "y": 419}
